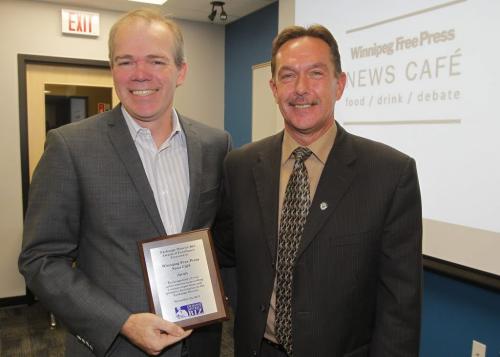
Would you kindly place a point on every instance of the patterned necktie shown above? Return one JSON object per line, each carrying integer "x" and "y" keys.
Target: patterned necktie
{"x": 293, "y": 217}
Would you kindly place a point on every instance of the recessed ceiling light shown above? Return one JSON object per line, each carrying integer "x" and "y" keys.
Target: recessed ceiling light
{"x": 154, "y": 2}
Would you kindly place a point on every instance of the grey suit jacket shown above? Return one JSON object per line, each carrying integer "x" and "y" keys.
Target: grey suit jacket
{"x": 356, "y": 287}
{"x": 89, "y": 203}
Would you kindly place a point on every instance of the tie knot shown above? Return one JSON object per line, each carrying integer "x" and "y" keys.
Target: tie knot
{"x": 301, "y": 153}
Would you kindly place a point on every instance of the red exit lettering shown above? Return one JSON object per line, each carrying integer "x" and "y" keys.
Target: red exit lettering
{"x": 80, "y": 23}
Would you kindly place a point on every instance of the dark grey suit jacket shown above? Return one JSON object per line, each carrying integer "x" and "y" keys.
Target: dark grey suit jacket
{"x": 357, "y": 277}
{"x": 89, "y": 203}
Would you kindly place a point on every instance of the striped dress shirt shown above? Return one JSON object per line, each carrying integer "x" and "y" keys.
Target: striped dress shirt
{"x": 167, "y": 170}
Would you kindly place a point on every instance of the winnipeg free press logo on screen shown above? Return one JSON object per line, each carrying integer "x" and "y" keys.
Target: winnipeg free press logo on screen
{"x": 190, "y": 310}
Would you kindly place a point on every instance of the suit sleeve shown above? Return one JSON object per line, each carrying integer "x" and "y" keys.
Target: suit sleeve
{"x": 50, "y": 249}
{"x": 397, "y": 329}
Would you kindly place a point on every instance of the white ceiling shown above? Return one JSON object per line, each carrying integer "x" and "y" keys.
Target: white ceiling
{"x": 195, "y": 10}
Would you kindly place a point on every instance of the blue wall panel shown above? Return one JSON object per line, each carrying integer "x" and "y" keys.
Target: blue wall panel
{"x": 248, "y": 42}
{"x": 454, "y": 314}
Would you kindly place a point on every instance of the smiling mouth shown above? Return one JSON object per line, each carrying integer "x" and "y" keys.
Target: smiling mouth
{"x": 302, "y": 106}
{"x": 143, "y": 92}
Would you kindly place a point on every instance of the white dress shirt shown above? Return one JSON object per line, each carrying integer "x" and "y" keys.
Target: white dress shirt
{"x": 167, "y": 170}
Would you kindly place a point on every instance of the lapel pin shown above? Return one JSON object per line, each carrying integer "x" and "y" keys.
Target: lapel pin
{"x": 323, "y": 206}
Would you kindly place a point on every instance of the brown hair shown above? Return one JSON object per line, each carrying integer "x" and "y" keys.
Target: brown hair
{"x": 316, "y": 31}
{"x": 149, "y": 15}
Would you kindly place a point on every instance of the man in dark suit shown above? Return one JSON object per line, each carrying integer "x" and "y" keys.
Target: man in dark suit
{"x": 139, "y": 171}
{"x": 324, "y": 227}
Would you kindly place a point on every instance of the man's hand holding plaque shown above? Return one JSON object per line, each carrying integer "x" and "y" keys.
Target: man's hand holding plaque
{"x": 152, "y": 333}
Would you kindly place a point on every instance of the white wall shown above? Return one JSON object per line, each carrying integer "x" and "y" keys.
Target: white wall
{"x": 35, "y": 28}
{"x": 286, "y": 15}
{"x": 201, "y": 97}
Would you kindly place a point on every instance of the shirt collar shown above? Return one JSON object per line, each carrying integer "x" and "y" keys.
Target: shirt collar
{"x": 135, "y": 128}
{"x": 320, "y": 148}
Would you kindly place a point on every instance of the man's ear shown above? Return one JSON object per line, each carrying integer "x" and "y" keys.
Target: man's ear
{"x": 272, "y": 85}
{"x": 181, "y": 74}
{"x": 341, "y": 81}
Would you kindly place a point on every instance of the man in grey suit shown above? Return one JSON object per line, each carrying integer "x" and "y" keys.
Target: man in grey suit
{"x": 139, "y": 171}
{"x": 324, "y": 227}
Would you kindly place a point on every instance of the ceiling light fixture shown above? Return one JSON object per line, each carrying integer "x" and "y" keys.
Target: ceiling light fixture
{"x": 211, "y": 17}
{"x": 154, "y": 2}
{"x": 223, "y": 14}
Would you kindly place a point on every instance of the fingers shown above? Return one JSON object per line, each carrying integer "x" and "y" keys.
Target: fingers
{"x": 168, "y": 339}
{"x": 169, "y": 327}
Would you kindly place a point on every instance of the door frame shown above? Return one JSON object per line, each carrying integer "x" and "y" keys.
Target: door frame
{"x": 22, "y": 61}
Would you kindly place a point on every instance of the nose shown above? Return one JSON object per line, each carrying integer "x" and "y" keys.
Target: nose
{"x": 302, "y": 84}
{"x": 141, "y": 72}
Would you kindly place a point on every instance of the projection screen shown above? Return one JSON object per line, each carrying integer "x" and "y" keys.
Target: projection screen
{"x": 423, "y": 77}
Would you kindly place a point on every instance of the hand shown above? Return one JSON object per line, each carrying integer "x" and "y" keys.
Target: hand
{"x": 151, "y": 333}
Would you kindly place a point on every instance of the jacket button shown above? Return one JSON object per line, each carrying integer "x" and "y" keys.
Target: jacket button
{"x": 262, "y": 308}
{"x": 254, "y": 353}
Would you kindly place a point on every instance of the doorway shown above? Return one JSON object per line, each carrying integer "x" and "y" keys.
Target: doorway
{"x": 54, "y": 91}
{"x": 66, "y": 104}
{"x": 84, "y": 88}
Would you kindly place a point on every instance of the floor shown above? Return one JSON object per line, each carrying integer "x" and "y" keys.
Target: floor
{"x": 25, "y": 332}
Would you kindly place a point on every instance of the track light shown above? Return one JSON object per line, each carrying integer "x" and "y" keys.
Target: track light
{"x": 213, "y": 13}
{"x": 223, "y": 14}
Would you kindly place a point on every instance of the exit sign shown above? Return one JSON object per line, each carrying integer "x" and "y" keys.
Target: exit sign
{"x": 76, "y": 22}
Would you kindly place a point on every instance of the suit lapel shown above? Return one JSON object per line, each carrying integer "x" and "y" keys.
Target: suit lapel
{"x": 195, "y": 162}
{"x": 267, "y": 175}
{"x": 120, "y": 138}
{"x": 334, "y": 182}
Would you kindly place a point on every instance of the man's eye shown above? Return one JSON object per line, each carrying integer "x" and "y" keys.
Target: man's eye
{"x": 159, "y": 62}
{"x": 286, "y": 76}
{"x": 124, "y": 63}
{"x": 316, "y": 74}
